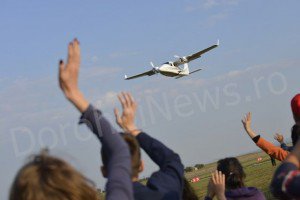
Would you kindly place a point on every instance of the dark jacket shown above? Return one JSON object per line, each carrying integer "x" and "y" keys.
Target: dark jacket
{"x": 119, "y": 185}
{"x": 286, "y": 182}
{"x": 167, "y": 182}
{"x": 244, "y": 193}
{"x": 285, "y": 147}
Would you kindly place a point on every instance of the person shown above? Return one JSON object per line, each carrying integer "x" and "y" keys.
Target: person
{"x": 273, "y": 161}
{"x": 279, "y": 138}
{"x": 167, "y": 182}
{"x": 295, "y": 105}
{"x": 272, "y": 150}
{"x": 118, "y": 170}
{"x": 286, "y": 179}
{"x": 216, "y": 186}
{"x": 45, "y": 177}
{"x": 234, "y": 176}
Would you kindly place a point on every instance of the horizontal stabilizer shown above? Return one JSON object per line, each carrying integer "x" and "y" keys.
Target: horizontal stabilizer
{"x": 195, "y": 71}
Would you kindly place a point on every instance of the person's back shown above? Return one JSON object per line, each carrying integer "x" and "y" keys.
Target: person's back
{"x": 244, "y": 193}
{"x": 48, "y": 178}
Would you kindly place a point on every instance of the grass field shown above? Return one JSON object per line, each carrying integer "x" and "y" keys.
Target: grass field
{"x": 258, "y": 174}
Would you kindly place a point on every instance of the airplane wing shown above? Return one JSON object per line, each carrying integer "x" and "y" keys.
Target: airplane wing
{"x": 148, "y": 73}
{"x": 194, "y": 56}
{"x": 198, "y": 54}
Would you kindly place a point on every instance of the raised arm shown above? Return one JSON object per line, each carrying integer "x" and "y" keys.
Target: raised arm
{"x": 119, "y": 184}
{"x": 171, "y": 168}
{"x": 247, "y": 125}
{"x": 272, "y": 150}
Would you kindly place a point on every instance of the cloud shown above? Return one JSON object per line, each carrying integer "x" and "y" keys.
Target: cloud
{"x": 215, "y": 18}
{"x": 122, "y": 54}
{"x": 239, "y": 73}
{"x": 108, "y": 100}
{"x": 210, "y": 4}
{"x": 92, "y": 72}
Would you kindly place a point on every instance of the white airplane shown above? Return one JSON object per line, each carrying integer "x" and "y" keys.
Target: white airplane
{"x": 173, "y": 69}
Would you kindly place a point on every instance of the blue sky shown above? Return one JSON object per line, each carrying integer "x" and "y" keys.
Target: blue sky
{"x": 254, "y": 69}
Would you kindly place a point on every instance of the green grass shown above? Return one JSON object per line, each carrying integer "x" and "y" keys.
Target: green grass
{"x": 258, "y": 174}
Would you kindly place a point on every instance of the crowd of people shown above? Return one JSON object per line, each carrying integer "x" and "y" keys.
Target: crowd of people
{"x": 46, "y": 177}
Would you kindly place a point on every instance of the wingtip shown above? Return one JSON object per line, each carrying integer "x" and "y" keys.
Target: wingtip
{"x": 218, "y": 42}
{"x": 126, "y": 77}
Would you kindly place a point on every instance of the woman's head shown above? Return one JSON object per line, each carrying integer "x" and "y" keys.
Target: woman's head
{"x": 45, "y": 177}
{"x": 233, "y": 171}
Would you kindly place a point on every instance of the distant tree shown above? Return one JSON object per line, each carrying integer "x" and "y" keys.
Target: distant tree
{"x": 189, "y": 169}
{"x": 199, "y": 166}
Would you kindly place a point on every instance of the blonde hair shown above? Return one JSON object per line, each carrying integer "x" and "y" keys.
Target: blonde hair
{"x": 45, "y": 177}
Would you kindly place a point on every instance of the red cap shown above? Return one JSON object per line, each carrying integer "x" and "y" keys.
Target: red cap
{"x": 295, "y": 104}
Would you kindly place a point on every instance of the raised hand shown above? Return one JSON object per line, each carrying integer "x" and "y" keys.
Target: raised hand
{"x": 247, "y": 121}
{"x": 210, "y": 189}
{"x": 126, "y": 120}
{"x": 68, "y": 76}
{"x": 279, "y": 137}
{"x": 218, "y": 183}
{"x": 247, "y": 124}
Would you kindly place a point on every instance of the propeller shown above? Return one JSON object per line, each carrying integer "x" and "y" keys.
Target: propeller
{"x": 155, "y": 69}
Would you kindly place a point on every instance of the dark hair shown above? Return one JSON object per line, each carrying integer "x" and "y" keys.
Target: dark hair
{"x": 45, "y": 177}
{"x": 233, "y": 171}
{"x": 295, "y": 134}
{"x": 135, "y": 153}
{"x": 188, "y": 191}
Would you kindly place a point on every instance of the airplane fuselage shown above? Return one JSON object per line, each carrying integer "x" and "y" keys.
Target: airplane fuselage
{"x": 168, "y": 69}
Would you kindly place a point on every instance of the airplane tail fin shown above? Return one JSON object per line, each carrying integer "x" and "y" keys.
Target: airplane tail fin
{"x": 186, "y": 68}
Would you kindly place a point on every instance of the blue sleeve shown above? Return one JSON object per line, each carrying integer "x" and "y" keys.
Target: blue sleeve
{"x": 169, "y": 178}
{"x": 119, "y": 185}
{"x": 285, "y": 147}
{"x": 286, "y": 182}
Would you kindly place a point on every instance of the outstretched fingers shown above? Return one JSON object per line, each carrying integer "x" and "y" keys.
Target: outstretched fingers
{"x": 74, "y": 54}
{"x": 118, "y": 118}
{"x": 123, "y": 100}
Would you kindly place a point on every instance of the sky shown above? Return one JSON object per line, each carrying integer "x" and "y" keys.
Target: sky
{"x": 255, "y": 69}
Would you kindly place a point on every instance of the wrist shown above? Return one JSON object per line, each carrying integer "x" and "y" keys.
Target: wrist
{"x": 210, "y": 195}
{"x": 78, "y": 100}
{"x": 221, "y": 197}
{"x": 73, "y": 95}
{"x": 133, "y": 130}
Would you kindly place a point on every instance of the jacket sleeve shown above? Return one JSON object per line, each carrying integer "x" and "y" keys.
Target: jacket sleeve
{"x": 272, "y": 150}
{"x": 169, "y": 178}
{"x": 286, "y": 181}
{"x": 286, "y": 147}
{"x": 119, "y": 185}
